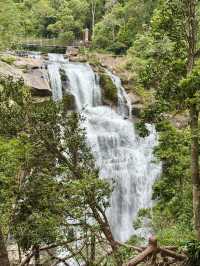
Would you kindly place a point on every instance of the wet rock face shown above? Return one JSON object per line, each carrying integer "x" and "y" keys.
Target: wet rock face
{"x": 32, "y": 71}
{"x": 136, "y": 110}
{"x": 135, "y": 99}
{"x": 68, "y": 98}
{"x": 137, "y": 104}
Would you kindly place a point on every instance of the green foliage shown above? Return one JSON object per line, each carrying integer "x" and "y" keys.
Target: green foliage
{"x": 8, "y": 59}
{"x": 14, "y": 103}
{"x": 171, "y": 234}
{"x": 9, "y": 22}
{"x": 105, "y": 30}
{"x": 190, "y": 86}
{"x": 13, "y": 153}
{"x": 38, "y": 212}
{"x": 48, "y": 175}
{"x": 141, "y": 129}
{"x": 137, "y": 61}
{"x": 193, "y": 249}
{"x": 123, "y": 20}
{"x": 173, "y": 189}
{"x": 69, "y": 102}
{"x": 163, "y": 67}
{"x": 116, "y": 23}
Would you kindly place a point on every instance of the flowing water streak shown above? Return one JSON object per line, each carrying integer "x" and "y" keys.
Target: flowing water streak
{"x": 122, "y": 156}
{"x": 34, "y": 55}
{"x": 83, "y": 84}
{"x": 54, "y": 65}
{"x": 124, "y": 107}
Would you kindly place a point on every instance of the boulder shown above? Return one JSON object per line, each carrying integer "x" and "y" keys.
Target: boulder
{"x": 7, "y": 70}
{"x": 68, "y": 98}
{"x": 109, "y": 91}
{"x": 28, "y": 63}
{"x": 135, "y": 99}
{"x": 37, "y": 80}
{"x": 72, "y": 51}
{"x": 33, "y": 74}
{"x": 78, "y": 59}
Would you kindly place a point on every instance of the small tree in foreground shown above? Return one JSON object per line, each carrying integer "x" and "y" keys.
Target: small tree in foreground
{"x": 52, "y": 194}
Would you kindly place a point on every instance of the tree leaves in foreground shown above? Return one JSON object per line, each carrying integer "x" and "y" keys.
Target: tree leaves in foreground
{"x": 50, "y": 193}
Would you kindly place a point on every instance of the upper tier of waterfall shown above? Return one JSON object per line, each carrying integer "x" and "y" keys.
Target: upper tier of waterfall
{"x": 83, "y": 84}
{"x": 55, "y": 61}
{"x": 124, "y": 159}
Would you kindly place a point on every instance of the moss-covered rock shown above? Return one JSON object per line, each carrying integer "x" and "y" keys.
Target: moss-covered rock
{"x": 109, "y": 91}
{"x": 9, "y": 59}
{"x": 64, "y": 78}
{"x": 68, "y": 98}
{"x": 69, "y": 102}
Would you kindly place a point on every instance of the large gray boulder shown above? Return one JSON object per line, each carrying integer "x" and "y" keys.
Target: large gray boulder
{"x": 33, "y": 73}
{"x": 7, "y": 71}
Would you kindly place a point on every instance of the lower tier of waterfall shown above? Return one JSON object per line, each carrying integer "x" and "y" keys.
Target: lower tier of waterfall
{"x": 124, "y": 159}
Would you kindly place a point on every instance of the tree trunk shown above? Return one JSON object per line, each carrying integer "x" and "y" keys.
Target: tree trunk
{"x": 194, "y": 116}
{"x": 4, "y": 261}
{"x": 37, "y": 255}
{"x": 191, "y": 9}
{"x": 93, "y": 248}
{"x": 101, "y": 218}
{"x": 93, "y": 16}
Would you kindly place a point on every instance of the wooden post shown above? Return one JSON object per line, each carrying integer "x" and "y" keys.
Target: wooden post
{"x": 86, "y": 36}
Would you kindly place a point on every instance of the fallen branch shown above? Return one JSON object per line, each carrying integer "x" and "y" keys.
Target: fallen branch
{"x": 139, "y": 249}
{"x": 60, "y": 244}
{"x": 27, "y": 259}
{"x": 152, "y": 250}
{"x": 172, "y": 254}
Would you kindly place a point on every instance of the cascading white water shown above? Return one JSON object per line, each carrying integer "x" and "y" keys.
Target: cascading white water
{"x": 122, "y": 157}
{"x": 55, "y": 61}
{"x": 124, "y": 107}
{"x": 83, "y": 84}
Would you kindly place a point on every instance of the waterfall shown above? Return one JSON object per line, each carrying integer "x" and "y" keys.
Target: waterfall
{"x": 83, "y": 84}
{"x": 55, "y": 61}
{"x": 124, "y": 159}
{"x": 124, "y": 107}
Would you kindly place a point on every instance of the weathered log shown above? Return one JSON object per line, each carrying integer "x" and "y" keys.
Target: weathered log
{"x": 172, "y": 254}
{"x": 138, "y": 249}
{"x": 150, "y": 250}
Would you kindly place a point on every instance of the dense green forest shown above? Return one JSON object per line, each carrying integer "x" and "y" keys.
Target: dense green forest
{"x": 159, "y": 42}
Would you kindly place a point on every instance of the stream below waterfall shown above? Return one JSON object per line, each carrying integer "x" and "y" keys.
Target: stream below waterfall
{"x": 123, "y": 158}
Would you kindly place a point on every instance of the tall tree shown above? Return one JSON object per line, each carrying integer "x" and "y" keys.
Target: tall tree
{"x": 172, "y": 67}
{"x": 192, "y": 39}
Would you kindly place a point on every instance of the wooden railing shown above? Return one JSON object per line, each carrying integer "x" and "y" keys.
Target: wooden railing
{"x": 48, "y": 42}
